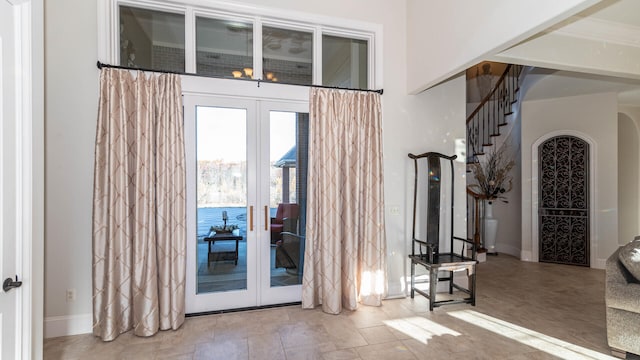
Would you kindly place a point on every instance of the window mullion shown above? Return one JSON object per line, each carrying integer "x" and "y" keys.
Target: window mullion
{"x": 190, "y": 49}
{"x": 257, "y": 49}
{"x": 317, "y": 56}
{"x": 371, "y": 63}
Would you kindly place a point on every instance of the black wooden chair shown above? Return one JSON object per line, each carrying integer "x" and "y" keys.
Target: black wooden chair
{"x": 439, "y": 252}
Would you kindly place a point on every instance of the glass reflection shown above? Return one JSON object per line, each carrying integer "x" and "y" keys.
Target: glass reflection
{"x": 287, "y": 55}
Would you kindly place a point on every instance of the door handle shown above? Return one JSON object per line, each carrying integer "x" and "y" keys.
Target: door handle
{"x": 251, "y": 218}
{"x": 9, "y": 284}
{"x": 266, "y": 216}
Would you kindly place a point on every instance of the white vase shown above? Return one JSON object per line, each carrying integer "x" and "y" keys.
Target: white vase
{"x": 490, "y": 229}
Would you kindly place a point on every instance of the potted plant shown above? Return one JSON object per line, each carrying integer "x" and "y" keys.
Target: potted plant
{"x": 493, "y": 180}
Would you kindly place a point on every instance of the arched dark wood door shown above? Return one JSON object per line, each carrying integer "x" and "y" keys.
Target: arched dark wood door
{"x": 563, "y": 200}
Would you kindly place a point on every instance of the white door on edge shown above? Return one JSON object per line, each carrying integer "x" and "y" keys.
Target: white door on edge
{"x": 10, "y": 341}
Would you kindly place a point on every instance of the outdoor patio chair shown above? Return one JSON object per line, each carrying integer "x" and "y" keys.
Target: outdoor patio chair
{"x": 286, "y": 220}
{"x": 288, "y": 252}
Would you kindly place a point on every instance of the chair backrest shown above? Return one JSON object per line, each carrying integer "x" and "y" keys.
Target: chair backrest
{"x": 287, "y": 210}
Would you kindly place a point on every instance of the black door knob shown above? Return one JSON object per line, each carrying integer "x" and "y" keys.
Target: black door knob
{"x": 9, "y": 284}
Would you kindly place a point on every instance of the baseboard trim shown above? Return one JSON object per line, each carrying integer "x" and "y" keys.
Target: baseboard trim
{"x": 599, "y": 264}
{"x": 55, "y": 326}
{"x": 395, "y": 296}
{"x": 508, "y": 249}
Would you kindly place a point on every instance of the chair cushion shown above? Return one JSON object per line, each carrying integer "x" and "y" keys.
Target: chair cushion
{"x": 629, "y": 256}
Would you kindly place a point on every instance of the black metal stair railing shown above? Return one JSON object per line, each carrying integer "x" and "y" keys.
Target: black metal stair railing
{"x": 485, "y": 121}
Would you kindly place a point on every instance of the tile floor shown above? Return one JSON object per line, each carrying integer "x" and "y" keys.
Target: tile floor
{"x": 520, "y": 300}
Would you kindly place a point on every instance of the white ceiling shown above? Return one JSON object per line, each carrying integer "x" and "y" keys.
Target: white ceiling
{"x": 611, "y": 21}
{"x": 620, "y": 11}
{"x": 549, "y": 84}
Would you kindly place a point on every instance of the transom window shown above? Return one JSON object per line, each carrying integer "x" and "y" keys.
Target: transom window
{"x": 287, "y": 55}
{"x": 151, "y": 39}
{"x": 202, "y": 41}
{"x": 224, "y": 48}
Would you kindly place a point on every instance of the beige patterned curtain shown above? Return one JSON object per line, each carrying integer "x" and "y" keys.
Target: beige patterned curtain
{"x": 344, "y": 260}
{"x": 139, "y": 206}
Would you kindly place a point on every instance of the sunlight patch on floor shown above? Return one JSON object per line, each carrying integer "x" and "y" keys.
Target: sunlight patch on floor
{"x": 528, "y": 337}
{"x": 419, "y": 328}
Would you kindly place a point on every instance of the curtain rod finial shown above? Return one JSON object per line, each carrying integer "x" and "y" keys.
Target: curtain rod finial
{"x": 99, "y": 64}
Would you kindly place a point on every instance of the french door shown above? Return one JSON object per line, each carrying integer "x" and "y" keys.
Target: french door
{"x": 246, "y": 163}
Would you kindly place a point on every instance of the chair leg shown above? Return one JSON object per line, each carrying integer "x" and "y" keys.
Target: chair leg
{"x": 433, "y": 283}
{"x": 413, "y": 281}
{"x": 450, "y": 282}
{"x": 472, "y": 287}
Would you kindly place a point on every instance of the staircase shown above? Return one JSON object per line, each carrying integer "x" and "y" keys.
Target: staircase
{"x": 485, "y": 122}
{"x": 485, "y": 126}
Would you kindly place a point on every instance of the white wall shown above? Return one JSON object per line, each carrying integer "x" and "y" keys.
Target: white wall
{"x": 595, "y": 116}
{"x": 628, "y": 173}
{"x": 447, "y": 37}
{"x": 436, "y": 118}
{"x": 71, "y": 97}
{"x": 427, "y": 122}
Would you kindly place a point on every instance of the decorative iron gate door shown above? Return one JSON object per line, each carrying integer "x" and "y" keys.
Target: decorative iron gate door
{"x": 563, "y": 200}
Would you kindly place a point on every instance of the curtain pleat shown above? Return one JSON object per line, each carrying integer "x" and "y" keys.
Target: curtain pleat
{"x": 171, "y": 208}
{"x": 139, "y": 212}
{"x": 346, "y": 247}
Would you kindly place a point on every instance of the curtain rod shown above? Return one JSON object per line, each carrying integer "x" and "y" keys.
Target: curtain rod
{"x": 103, "y": 65}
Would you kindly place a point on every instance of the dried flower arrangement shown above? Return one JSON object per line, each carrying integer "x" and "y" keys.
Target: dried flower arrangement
{"x": 492, "y": 175}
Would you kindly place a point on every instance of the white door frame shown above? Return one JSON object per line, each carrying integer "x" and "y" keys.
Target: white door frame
{"x": 29, "y": 175}
{"x": 535, "y": 241}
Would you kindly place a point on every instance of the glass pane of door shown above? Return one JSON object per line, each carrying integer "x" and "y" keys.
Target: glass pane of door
{"x": 221, "y": 198}
{"x": 288, "y": 133}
